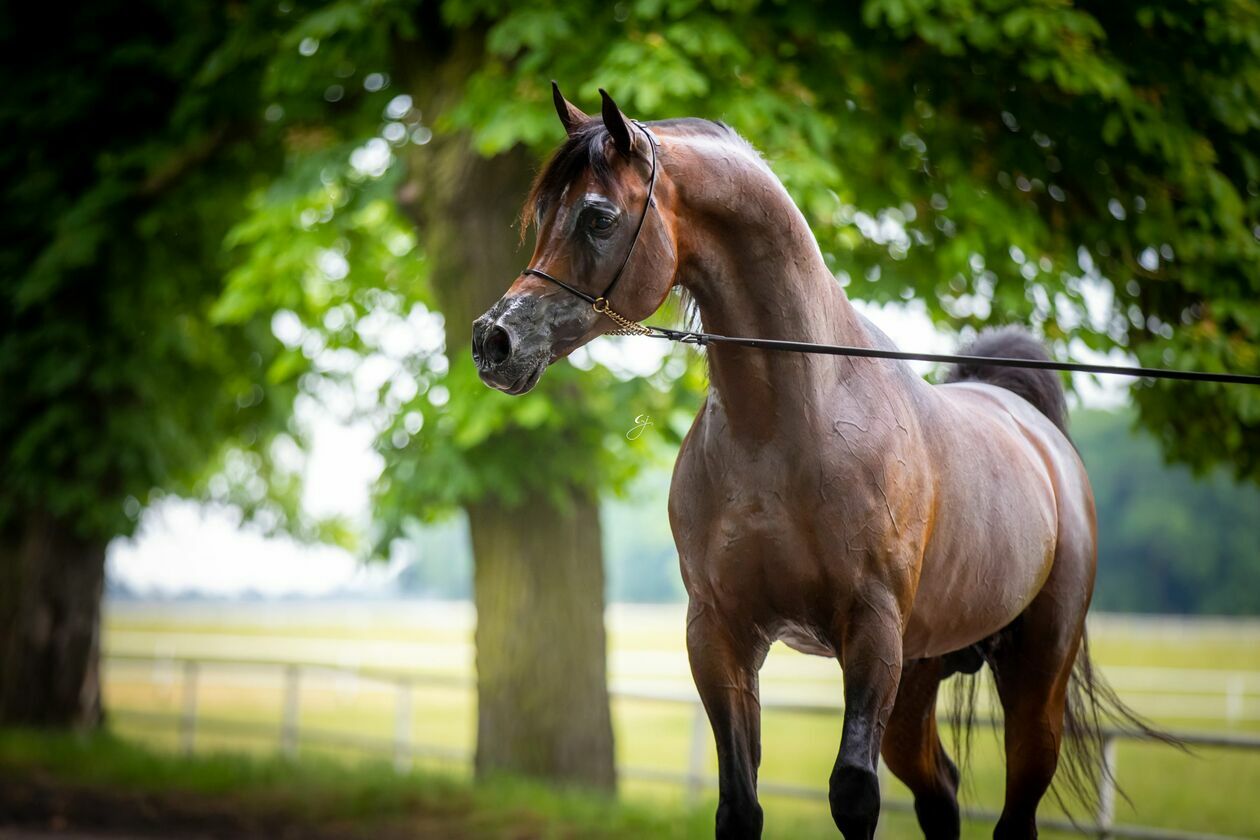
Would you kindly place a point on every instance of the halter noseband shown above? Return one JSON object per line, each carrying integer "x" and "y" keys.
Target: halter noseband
{"x": 600, "y": 304}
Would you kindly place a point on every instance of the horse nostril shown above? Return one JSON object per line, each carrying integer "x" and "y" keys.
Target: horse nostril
{"x": 497, "y": 345}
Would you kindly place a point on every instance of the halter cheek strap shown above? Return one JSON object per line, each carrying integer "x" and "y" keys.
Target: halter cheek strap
{"x": 600, "y": 303}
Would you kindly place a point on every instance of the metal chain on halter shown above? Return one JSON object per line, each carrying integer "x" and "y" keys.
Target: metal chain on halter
{"x": 624, "y": 325}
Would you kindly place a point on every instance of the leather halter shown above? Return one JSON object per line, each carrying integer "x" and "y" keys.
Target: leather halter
{"x": 600, "y": 302}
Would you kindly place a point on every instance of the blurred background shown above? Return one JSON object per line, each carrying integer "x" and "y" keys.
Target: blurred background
{"x": 272, "y": 556}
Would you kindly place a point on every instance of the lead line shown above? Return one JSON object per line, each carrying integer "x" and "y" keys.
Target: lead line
{"x": 702, "y": 339}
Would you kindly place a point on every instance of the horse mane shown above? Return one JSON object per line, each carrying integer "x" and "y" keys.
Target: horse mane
{"x": 588, "y": 149}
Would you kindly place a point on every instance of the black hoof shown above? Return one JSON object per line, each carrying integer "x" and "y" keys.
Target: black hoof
{"x": 738, "y": 822}
{"x": 1015, "y": 829}
{"x": 854, "y": 799}
{"x": 938, "y": 817}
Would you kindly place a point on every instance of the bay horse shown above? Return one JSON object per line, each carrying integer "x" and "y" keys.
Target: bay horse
{"x": 842, "y": 505}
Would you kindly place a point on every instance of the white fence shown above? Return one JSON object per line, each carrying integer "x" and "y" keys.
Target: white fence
{"x": 289, "y": 733}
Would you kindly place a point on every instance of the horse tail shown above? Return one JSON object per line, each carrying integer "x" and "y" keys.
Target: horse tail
{"x": 1092, "y": 714}
{"x": 1042, "y": 388}
{"x": 1093, "y": 711}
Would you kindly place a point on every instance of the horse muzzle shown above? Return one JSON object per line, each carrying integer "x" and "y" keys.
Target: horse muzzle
{"x": 506, "y": 360}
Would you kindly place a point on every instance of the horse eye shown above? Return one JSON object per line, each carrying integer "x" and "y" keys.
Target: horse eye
{"x": 601, "y": 223}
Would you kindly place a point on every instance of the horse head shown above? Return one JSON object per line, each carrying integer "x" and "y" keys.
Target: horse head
{"x": 601, "y": 211}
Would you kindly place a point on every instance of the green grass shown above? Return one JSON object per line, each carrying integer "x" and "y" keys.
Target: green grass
{"x": 1211, "y": 791}
{"x": 315, "y": 790}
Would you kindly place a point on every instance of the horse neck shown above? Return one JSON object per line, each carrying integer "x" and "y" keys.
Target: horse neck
{"x": 754, "y": 269}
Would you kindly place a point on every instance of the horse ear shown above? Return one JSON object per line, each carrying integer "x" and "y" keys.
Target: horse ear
{"x": 617, "y": 124}
{"x": 570, "y": 115}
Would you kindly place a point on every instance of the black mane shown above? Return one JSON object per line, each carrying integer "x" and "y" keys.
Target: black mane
{"x": 588, "y": 149}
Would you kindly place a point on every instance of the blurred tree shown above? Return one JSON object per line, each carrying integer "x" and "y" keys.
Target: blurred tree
{"x": 121, "y": 175}
{"x": 326, "y": 247}
{"x": 1168, "y": 543}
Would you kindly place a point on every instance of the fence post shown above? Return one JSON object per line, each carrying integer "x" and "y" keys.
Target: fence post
{"x": 696, "y": 762}
{"x": 402, "y": 727}
{"x": 188, "y": 717}
{"x": 289, "y": 721}
{"x": 1234, "y": 694}
{"x": 1107, "y": 788}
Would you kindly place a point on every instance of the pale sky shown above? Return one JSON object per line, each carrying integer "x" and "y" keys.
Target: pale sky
{"x": 183, "y": 546}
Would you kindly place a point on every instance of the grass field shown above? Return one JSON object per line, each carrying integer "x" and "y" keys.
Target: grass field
{"x": 108, "y": 787}
{"x": 1187, "y": 675}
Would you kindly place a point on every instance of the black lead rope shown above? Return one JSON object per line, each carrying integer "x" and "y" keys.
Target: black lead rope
{"x": 627, "y": 327}
{"x": 702, "y": 339}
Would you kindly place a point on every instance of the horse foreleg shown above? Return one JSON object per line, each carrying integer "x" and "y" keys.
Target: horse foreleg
{"x": 724, "y": 665}
{"x": 870, "y": 654}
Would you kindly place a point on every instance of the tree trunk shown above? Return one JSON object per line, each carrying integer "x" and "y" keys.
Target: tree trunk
{"x": 542, "y": 688}
{"x": 50, "y": 610}
{"x": 538, "y": 571}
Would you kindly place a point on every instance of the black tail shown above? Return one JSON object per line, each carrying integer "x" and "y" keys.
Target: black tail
{"x": 1093, "y": 707}
{"x": 1042, "y": 388}
{"x": 1093, "y": 712}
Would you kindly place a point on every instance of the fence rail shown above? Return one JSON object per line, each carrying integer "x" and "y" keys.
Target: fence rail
{"x": 289, "y": 734}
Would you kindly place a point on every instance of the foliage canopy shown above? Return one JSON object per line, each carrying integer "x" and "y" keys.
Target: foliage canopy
{"x": 1091, "y": 168}
{"x": 122, "y": 171}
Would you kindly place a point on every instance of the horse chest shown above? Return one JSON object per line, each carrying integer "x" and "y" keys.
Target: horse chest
{"x": 733, "y": 521}
{"x": 793, "y": 539}
{"x": 751, "y": 527}
{"x": 784, "y": 533}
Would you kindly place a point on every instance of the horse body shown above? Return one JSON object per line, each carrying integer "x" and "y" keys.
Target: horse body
{"x": 805, "y": 530}
{"x": 842, "y": 505}
{"x": 852, "y": 510}
{"x": 859, "y": 475}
